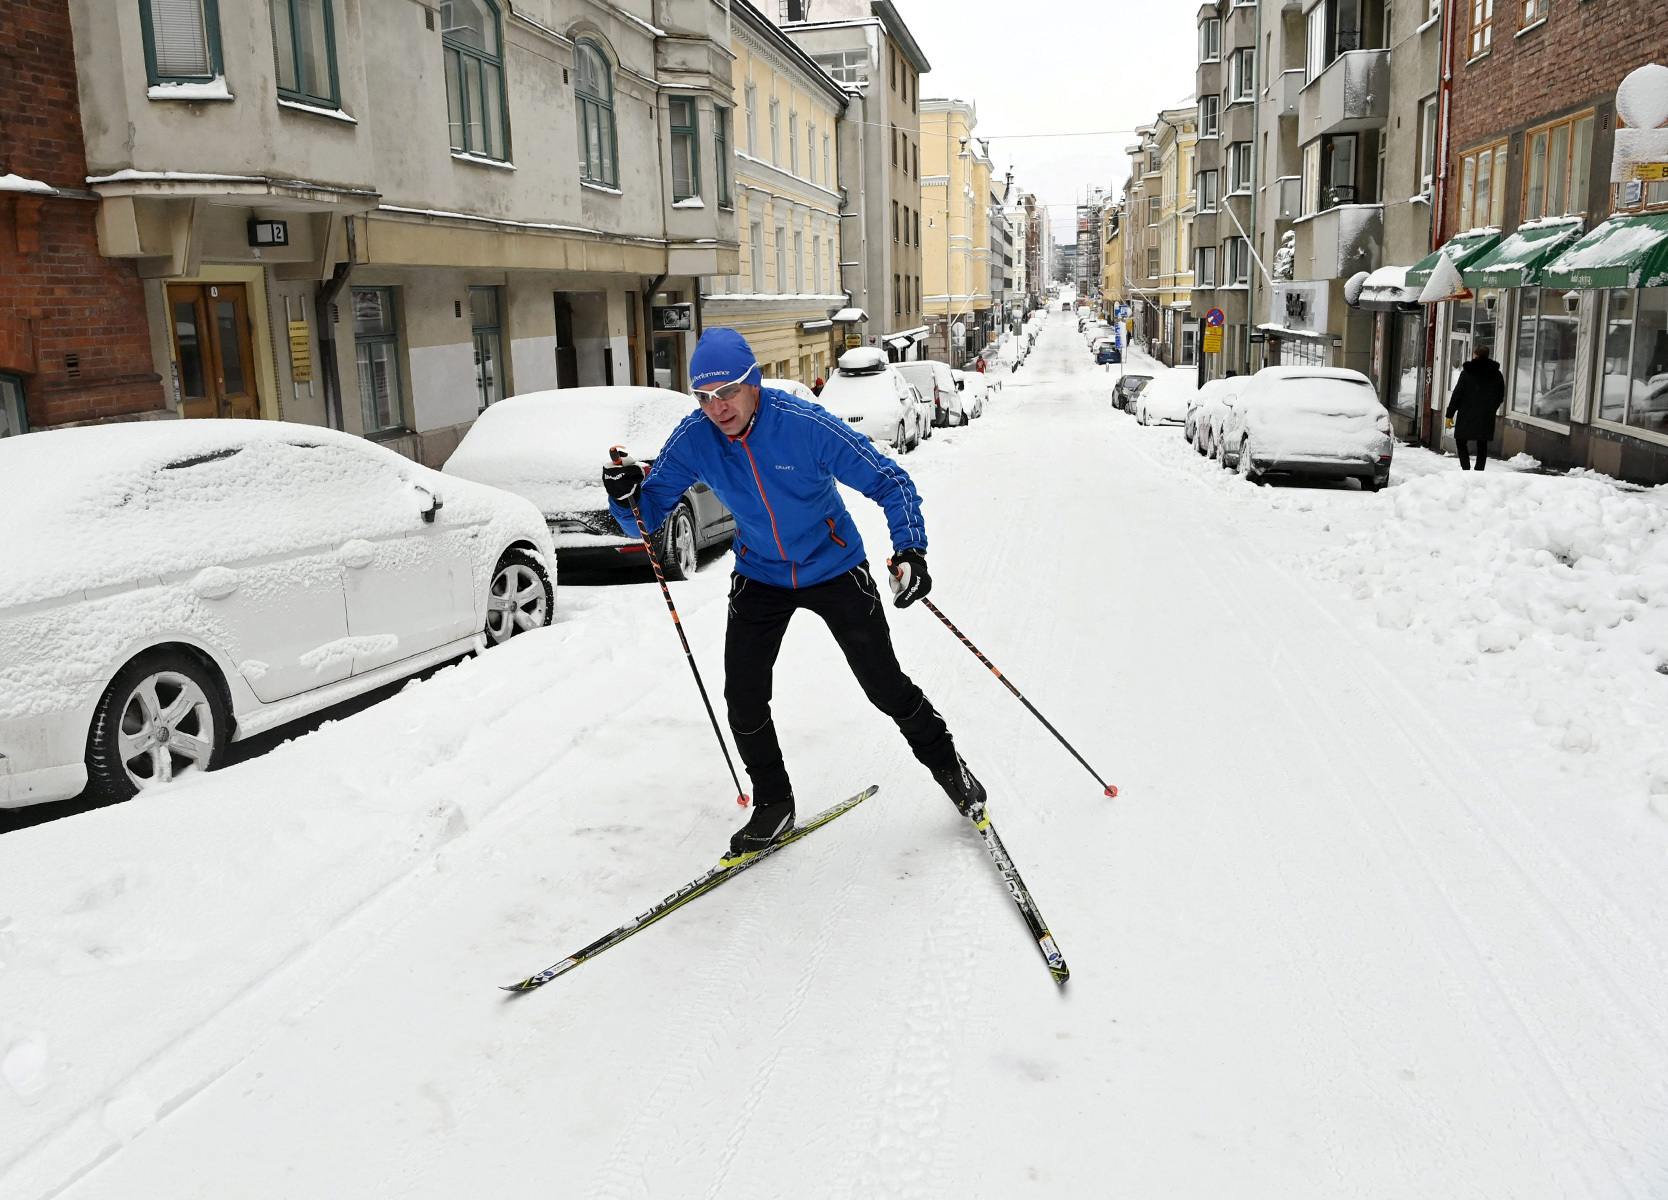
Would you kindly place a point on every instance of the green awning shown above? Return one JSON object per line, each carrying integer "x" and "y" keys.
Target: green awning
{"x": 1517, "y": 261}
{"x": 1624, "y": 252}
{"x": 1467, "y": 247}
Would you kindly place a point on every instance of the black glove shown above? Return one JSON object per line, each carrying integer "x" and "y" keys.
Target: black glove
{"x": 623, "y": 481}
{"x": 908, "y": 576}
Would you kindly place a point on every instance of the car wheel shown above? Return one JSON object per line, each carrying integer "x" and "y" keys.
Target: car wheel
{"x": 520, "y": 597}
{"x": 163, "y": 716}
{"x": 1247, "y": 469}
{"x": 677, "y": 554}
{"x": 898, "y": 442}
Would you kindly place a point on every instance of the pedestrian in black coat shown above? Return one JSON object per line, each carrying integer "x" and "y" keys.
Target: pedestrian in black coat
{"x": 1477, "y": 397}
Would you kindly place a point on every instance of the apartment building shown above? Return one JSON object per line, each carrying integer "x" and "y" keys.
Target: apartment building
{"x": 788, "y": 290}
{"x": 1175, "y": 137}
{"x": 384, "y": 217}
{"x": 1224, "y": 177}
{"x": 865, "y": 45}
{"x": 955, "y": 190}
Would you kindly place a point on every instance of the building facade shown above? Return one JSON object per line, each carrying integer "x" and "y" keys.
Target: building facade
{"x": 74, "y": 345}
{"x": 865, "y": 45}
{"x": 1175, "y": 139}
{"x": 1223, "y": 183}
{"x": 956, "y": 247}
{"x": 787, "y": 204}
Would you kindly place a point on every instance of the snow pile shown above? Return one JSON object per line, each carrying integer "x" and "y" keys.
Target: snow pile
{"x": 1558, "y": 583}
{"x": 1444, "y": 282}
{"x": 19, "y": 183}
{"x": 1285, "y": 258}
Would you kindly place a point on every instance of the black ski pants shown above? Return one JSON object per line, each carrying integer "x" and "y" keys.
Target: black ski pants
{"x": 1464, "y": 445}
{"x": 850, "y": 605}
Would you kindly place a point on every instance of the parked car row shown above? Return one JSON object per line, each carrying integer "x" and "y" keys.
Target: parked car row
{"x": 1300, "y": 422}
{"x": 899, "y": 404}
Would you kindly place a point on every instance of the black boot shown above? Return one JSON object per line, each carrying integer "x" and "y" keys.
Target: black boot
{"x": 965, "y": 792}
{"x": 768, "y": 822}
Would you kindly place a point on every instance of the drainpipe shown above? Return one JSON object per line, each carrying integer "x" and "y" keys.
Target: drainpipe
{"x": 323, "y": 298}
{"x": 1439, "y": 201}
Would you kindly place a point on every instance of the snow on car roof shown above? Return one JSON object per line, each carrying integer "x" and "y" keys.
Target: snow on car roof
{"x": 862, "y": 358}
{"x": 551, "y": 446}
{"x": 1277, "y": 373}
{"x": 107, "y": 505}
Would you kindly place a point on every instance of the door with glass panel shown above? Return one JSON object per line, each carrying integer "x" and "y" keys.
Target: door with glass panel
{"x": 213, "y": 354}
{"x": 376, "y": 352}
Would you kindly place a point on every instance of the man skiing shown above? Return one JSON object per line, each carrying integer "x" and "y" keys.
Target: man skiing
{"x": 773, "y": 459}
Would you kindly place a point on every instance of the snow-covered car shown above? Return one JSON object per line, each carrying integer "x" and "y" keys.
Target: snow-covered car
{"x": 1195, "y": 402}
{"x": 869, "y": 393}
{"x": 1163, "y": 402}
{"x": 793, "y": 387}
{"x": 1127, "y": 389}
{"x": 1213, "y": 403}
{"x": 934, "y": 381}
{"x": 171, "y": 587}
{"x": 550, "y": 447}
{"x": 975, "y": 388}
{"x": 1319, "y": 422}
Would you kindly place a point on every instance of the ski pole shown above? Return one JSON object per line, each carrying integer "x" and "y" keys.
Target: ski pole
{"x": 1109, "y": 789}
{"x": 618, "y": 453}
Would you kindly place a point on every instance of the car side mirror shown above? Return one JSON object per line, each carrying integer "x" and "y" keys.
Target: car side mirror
{"x": 429, "y": 503}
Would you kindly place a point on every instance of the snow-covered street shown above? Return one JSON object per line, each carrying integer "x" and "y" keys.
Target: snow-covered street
{"x": 1381, "y": 910}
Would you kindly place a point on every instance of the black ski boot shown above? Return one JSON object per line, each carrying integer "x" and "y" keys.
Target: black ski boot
{"x": 768, "y": 822}
{"x": 965, "y": 792}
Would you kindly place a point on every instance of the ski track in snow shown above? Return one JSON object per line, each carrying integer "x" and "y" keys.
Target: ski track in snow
{"x": 1335, "y": 939}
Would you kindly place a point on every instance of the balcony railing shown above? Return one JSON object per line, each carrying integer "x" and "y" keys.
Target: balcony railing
{"x": 1350, "y": 95}
{"x": 1287, "y": 90}
{"x": 1288, "y": 197}
{"x": 1341, "y": 241}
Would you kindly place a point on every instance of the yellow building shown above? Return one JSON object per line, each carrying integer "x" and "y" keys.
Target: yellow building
{"x": 955, "y": 242}
{"x": 1175, "y": 135}
{"x": 786, "y": 147}
{"x": 1112, "y": 257}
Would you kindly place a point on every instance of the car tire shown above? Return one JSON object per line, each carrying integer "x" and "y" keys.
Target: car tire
{"x": 519, "y": 597}
{"x": 677, "y": 548}
{"x": 167, "y": 689}
{"x": 900, "y": 443}
{"x": 1245, "y": 466}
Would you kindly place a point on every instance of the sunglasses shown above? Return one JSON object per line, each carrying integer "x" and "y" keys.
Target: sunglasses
{"x": 726, "y": 393}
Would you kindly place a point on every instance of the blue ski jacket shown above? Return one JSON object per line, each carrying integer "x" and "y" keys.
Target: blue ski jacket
{"x": 778, "y": 478}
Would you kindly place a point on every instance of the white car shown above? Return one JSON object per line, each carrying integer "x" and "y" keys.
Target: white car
{"x": 1215, "y": 401}
{"x": 1195, "y": 407}
{"x": 174, "y": 586}
{"x": 975, "y": 388}
{"x": 550, "y": 447}
{"x": 793, "y": 387}
{"x": 1318, "y": 422}
{"x": 936, "y": 383}
{"x": 869, "y": 393}
{"x": 1163, "y": 402}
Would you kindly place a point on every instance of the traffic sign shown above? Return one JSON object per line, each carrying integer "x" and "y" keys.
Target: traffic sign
{"x": 1215, "y": 317}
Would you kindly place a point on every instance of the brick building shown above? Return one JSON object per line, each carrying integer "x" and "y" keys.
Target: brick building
{"x": 74, "y": 343}
{"x": 1524, "y": 195}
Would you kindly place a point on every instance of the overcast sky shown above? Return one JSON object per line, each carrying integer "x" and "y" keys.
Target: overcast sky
{"x": 1055, "y": 66}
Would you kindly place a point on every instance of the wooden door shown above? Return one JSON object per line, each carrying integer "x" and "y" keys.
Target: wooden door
{"x": 212, "y": 347}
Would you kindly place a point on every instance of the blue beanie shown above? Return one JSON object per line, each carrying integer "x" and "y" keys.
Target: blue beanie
{"x": 723, "y": 356}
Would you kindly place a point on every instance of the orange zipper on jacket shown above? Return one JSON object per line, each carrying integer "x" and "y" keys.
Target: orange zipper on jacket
{"x": 838, "y": 540}
{"x": 758, "y": 480}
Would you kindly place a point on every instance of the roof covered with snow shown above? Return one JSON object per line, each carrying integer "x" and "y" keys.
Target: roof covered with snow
{"x": 1623, "y": 252}
{"x": 1517, "y": 261}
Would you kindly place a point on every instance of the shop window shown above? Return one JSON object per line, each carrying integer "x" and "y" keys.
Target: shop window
{"x": 304, "y": 42}
{"x": 376, "y": 350}
{"x": 182, "y": 40}
{"x": 686, "y": 148}
{"x": 1559, "y": 168}
{"x": 485, "y": 327}
{"x": 1634, "y": 380}
{"x": 1210, "y": 110}
{"x": 472, "y": 40}
{"x": 1410, "y": 354}
{"x": 1210, "y": 40}
{"x": 594, "y": 92}
{"x": 14, "y": 417}
{"x": 1482, "y": 26}
{"x": 1543, "y": 369}
{"x": 1482, "y": 193}
{"x": 721, "y": 152}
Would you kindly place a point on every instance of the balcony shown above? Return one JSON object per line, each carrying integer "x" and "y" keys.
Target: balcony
{"x": 1287, "y": 89}
{"x": 1286, "y": 194}
{"x": 1351, "y": 95}
{"x": 1337, "y": 243}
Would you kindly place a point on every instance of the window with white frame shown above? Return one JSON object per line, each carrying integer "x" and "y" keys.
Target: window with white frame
{"x": 793, "y": 142}
{"x": 1482, "y": 26}
{"x": 1427, "y": 145}
{"x": 1210, "y": 40}
{"x": 1204, "y": 267}
{"x": 816, "y": 263}
{"x": 1242, "y": 75}
{"x": 775, "y": 131}
{"x": 1210, "y": 108}
{"x": 847, "y": 66}
{"x": 752, "y": 106}
{"x": 1206, "y": 190}
{"x": 781, "y": 259}
{"x": 1152, "y": 264}
{"x": 811, "y": 151}
{"x": 827, "y": 175}
{"x": 1315, "y": 47}
{"x": 1534, "y": 10}
{"x": 1236, "y": 265}
{"x": 1239, "y": 167}
{"x": 755, "y": 256}
{"x": 798, "y": 260}
{"x": 1154, "y": 205}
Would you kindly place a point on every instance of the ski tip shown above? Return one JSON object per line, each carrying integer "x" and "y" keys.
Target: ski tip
{"x": 1060, "y": 977}
{"x": 516, "y": 989}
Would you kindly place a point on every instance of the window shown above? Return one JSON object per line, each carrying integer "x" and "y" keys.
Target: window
{"x": 721, "y": 152}
{"x": 793, "y": 142}
{"x": 1533, "y": 10}
{"x": 1635, "y": 365}
{"x": 752, "y": 95}
{"x": 1315, "y": 56}
{"x": 686, "y": 144}
{"x": 1205, "y": 189}
{"x": 376, "y": 350}
{"x": 594, "y": 90}
{"x": 1239, "y": 167}
{"x": 755, "y": 240}
{"x": 892, "y": 67}
{"x": 1152, "y": 159}
{"x": 304, "y": 42}
{"x": 894, "y": 221}
{"x": 1543, "y": 369}
{"x": 811, "y": 152}
{"x": 489, "y": 358}
{"x": 471, "y": 41}
{"x": 894, "y": 145}
{"x": 1209, "y": 111}
{"x": 897, "y": 295}
{"x": 906, "y": 225}
{"x": 1427, "y": 145}
{"x": 1154, "y": 204}
{"x": 816, "y": 264}
{"x": 14, "y": 416}
{"x": 1204, "y": 267}
{"x": 1560, "y": 162}
{"x": 1482, "y": 26}
{"x": 827, "y": 175}
{"x": 917, "y": 227}
{"x": 1482, "y": 197}
{"x": 1152, "y": 264}
{"x": 182, "y": 40}
{"x": 847, "y": 66}
{"x": 1242, "y": 75}
{"x": 775, "y": 131}
{"x": 1210, "y": 40}
{"x": 1236, "y": 253}
{"x": 1329, "y": 173}
{"x": 781, "y": 259}
{"x": 909, "y": 300}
